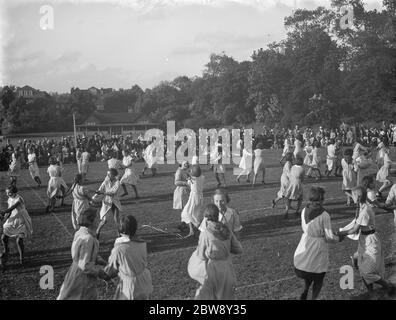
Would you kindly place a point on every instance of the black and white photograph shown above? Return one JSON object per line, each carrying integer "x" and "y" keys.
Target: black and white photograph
{"x": 193, "y": 150}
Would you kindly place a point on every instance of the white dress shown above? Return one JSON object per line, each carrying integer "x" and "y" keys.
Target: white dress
{"x": 80, "y": 203}
{"x": 298, "y": 151}
{"x": 287, "y": 147}
{"x": 370, "y": 257}
{"x": 315, "y": 163}
{"x": 109, "y": 200}
{"x": 19, "y": 223}
{"x": 348, "y": 176}
{"x": 78, "y": 158}
{"x": 229, "y": 217}
{"x": 130, "y": 176}
{"x": 15, "y": 166}
{"x": 284, "y": 181}
{"x": 246, "y": 162}
{"x": 330, "y": 157}
{"x": 193, "y": 210}
{"x": 181, "y": 191}
{"x": 128, "y": 259}
{"x": 258, "y": 160}
{"x": 84, "y": 162}
{"x": 391, "y": 199}
{"x": 149, "y": 156}
{"x": 33, "y": 167}
{"x": 55, "y": 182}
{"x": 312, "y": 253}
{"x": 383, "y": 172}
{"x": 295, "y": 189}
{"x": 308, "y": 156}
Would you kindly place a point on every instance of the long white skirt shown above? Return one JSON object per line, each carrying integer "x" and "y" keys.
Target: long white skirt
{"x": 179, "y": 196}
{"x": 84, "y": 167}
{"x": 130, "y": 177}
{"x": 34, "y": 170}
{"x": 193, "y": 210}
{"x": 54, "y": 185}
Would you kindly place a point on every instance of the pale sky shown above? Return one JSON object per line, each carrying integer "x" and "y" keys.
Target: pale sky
{"x": 119, "y": 43}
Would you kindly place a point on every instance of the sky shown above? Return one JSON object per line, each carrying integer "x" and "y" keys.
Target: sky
{"x": 120, "y": 43}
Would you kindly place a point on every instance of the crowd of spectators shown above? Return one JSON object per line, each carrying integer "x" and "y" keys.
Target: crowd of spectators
{"x": 102, "y": 147}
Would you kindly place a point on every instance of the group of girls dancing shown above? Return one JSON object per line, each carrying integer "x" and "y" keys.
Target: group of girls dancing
{"x": 218, "y": 224}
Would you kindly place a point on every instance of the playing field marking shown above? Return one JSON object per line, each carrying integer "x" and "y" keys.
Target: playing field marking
{"x": 45, "y": 204}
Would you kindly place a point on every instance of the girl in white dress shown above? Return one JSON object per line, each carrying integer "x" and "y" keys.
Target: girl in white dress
{"x": 33, "y": 167}
{"x": 80, "y": 282}
{"x": 84, "y": 164}
{"x": 314, "y": 166}
{"x": 130, "y": 177}
{"x": 311, "y": 258}
{"x": 150, "y": 157}
{"x": 18, "y": 224}
{"x": 284, "y": 181}
{"x": 383, "y": 173}
{"x": 78, "y": 159}
{"x": 81, "y": 199}
{"x": 286, "y": 148}
{"x": 192, "y": 212}
{"x": 211, "y": 264}
{"x": 258, "y": 165}
{"x": 15, "y": 167}
{"x": 362, "y": 166}
{"x": 217, "y": 164}
{"x": 245, "y": 164}
{"x": 298, "y": 150}
{"x": 113, "y": 162}
{"x": 128, "y": 262}
{"x": 330, "y": 159}
{"x": 182, "y": 186}
{"x": 111, "y": 202}
{"x": 294, "y": 191}
{"x": 56, "y": 185}
{"x": 349, "y": 177}
{"x": 370, "y": 256}
{"x": 227, "y": 215}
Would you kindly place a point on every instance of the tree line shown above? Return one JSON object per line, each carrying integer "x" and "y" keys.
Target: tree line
{"x": 320, "y": 73}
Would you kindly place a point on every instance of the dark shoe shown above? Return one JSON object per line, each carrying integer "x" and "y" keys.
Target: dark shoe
{"x": 273, "y": 203}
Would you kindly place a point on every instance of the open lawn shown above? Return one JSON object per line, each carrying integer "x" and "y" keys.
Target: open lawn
{"x": 264, "y": 270}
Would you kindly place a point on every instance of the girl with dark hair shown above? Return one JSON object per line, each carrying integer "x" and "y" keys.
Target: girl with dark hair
{"x": 258, "y": 165}
{"x": 383, "y": 172}
{"x": 81, "y": 199}
{"x": 211, "y": 263}
{"x": 33, "y": 167}
{"x": 182, "y": 186}
{"x": 370, "y": 259}
{"x": 111, "y": 202}
{"x": 192, "y": 212}
{"x": 130, "y": 177}
{"x": 315, "y": 163}
{"x": 227, "y": 215}
{"x": 311, "y": 258}
{"x": 246, "y": 163}
{"x": 18, "y": 224}
{"x": 294, "y": 191}
{"x": 81, "y": 280}
{"x": 349, "y": 176}
{"x": 56, "y": 185}
{"x": 128, "y": 261}
{"x": 15, "y": 167}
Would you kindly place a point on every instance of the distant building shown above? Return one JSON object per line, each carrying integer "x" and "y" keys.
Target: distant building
{"x": 29, "y": 93}
{"x": 117, "y": 123}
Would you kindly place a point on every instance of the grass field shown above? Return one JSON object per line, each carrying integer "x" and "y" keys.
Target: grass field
{"x": 264, "y": 270}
